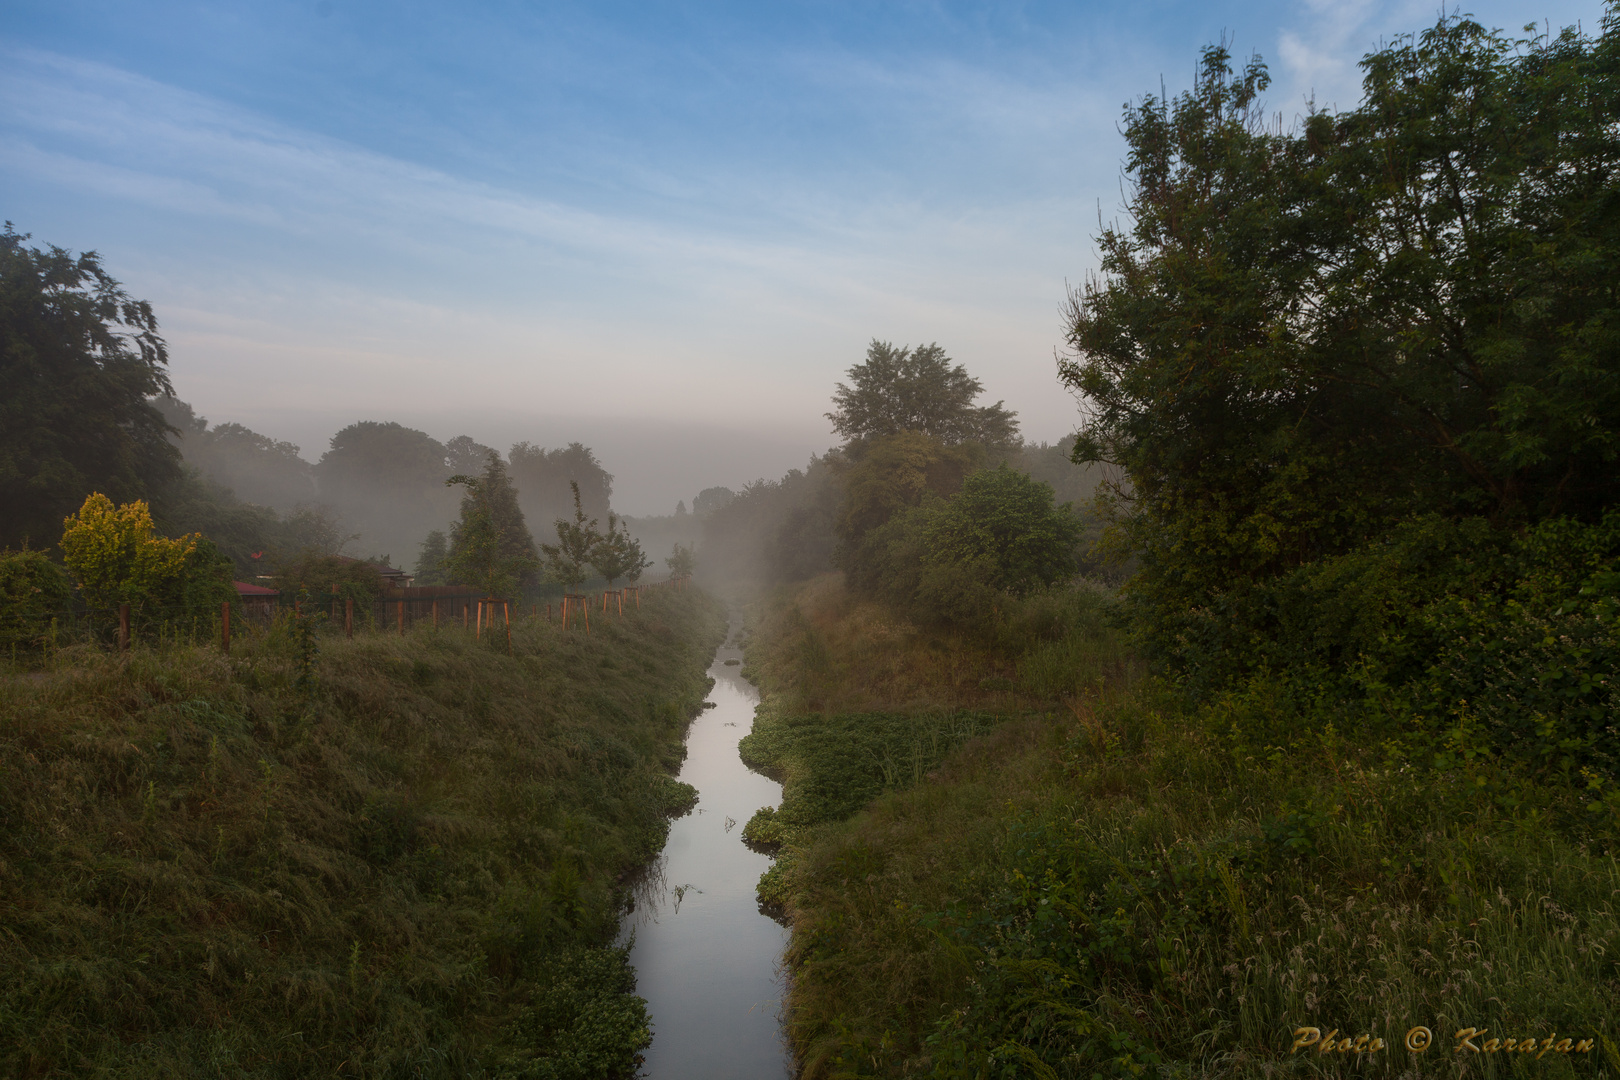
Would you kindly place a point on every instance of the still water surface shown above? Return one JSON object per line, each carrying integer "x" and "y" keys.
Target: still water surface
{"x": 705, "y": 957}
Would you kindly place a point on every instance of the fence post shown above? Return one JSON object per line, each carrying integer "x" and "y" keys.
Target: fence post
{"x": 348, "y": 616}
{"x": 464, "y": 614}
{"x": 506, "y": 608}
{"x": 225, "y": 626}
{"x": 399, "y": 614}
{"x": 123, "y": 627}
{"x": 435, "y": 614}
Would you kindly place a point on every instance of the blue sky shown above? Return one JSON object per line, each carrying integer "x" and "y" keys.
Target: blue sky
{"x": 664, "y": 229}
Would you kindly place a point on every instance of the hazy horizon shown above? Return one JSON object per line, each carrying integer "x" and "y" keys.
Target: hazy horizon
{"x": 660, "y": 231}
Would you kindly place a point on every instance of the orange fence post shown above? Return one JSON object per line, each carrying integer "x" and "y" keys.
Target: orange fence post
{"x": 506, "y": 609}
{"x": 225, "y": 626}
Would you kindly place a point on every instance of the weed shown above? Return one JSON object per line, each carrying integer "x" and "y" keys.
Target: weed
{"x": 383, "y": 857}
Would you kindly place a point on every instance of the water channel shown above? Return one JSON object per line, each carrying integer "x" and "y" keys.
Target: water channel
{"x": 705, "y": 956}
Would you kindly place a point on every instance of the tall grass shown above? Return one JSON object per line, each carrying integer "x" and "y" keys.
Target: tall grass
{"x": 1133, "y": 885}
{"x": 408, "y": 866}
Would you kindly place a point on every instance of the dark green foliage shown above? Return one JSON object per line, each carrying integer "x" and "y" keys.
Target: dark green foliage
{"x": 832, "y": 766}
{"x": 327, "y": 576}
{"x": 410, "y": 870}
{"x": 898, "y": 472}
{"x": 838, "y": 764}
{"x": 1408, "y": 308}
{"x": 32, "y": 590}
{"x": 490, "y": 547}
{"x": 584, "y": 1022}
{"x": 430, "y": 562}
{"x": 918, "y": 390}
{"x": 577, "y": 541}
{"x": 1505, "y": 638}
{"x": 953, "y": 561}
{"x": 619, "y": 554}
{"x": 79, "y": 359}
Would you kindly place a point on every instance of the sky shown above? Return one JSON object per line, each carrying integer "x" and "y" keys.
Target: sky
{"x": 664, "y": 230}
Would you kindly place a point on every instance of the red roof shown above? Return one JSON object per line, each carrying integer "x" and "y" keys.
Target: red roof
{"x": 244, "y": 589}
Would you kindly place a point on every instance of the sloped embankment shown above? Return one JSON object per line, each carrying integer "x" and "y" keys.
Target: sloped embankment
{"x": 411, "y": 868}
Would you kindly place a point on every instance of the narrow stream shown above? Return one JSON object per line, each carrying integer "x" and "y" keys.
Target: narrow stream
{"x": 705, "y": 957}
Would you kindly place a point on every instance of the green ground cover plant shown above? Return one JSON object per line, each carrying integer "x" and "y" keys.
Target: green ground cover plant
{"x": 1142, "y": 883}
{"x": 386, "y": 856}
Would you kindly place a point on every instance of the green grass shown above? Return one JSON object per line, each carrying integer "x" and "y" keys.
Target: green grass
{"x": 411, "y": 868}
{"x": 1136, "y": 885}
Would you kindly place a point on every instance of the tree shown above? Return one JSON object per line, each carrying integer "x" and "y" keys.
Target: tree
{"x": 917, "y": 390}
{"x": 545, "y": 478}
{"x": 1012, "y": 524}
{"x": 388, "y": 481}
{"x": 1304, "y": 338}
{"x": 577, "y": 543}
{"x": 117, "y": 557}
{"x": 896, "y": 472}
{"x": 711, "y": 499}
{"x": 682, "y": 561}
{"x": 619, "y": 554}
{"x": 464, "y": 454}
{"x": 255, "y": 468}
{"x": 496, "y": 495}
{"x": 949, "y": 560}
{"x": 487, "y": 551}
{"x": 79, "y": 361}
{"x": 430, "y": 564}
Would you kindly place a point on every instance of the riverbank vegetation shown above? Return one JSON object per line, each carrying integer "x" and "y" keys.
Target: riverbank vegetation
{"x": 1358, "y": 380}
{"x": 386, "y": 856}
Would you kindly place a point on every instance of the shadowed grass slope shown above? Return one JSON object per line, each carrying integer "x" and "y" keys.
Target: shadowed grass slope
{"x": 411, "y": 867}
{"x": 1139, "y": 886}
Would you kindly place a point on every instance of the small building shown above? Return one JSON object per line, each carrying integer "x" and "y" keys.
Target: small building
{"x": 256, "y": 599}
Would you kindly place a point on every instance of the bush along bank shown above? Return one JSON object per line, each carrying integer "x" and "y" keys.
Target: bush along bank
{"x": 1150, "y": 881}
{"x": 388, "y": 856}
{"x": 858, "y": 703}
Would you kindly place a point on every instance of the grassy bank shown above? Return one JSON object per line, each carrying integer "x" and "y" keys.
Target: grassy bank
{"x": 403, "y": 859}
{"x": 1136, "y": 884}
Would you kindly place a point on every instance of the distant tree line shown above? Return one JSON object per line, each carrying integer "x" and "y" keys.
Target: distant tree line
{"x": 932, "y": 501}
{"x": 87, "y": 407}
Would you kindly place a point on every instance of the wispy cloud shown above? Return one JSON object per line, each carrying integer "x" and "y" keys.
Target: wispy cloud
{"x": 343, "y": 261}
